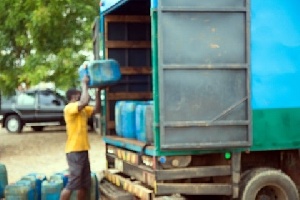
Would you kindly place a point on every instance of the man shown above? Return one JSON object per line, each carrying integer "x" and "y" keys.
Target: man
{"x": 76, "y": 114}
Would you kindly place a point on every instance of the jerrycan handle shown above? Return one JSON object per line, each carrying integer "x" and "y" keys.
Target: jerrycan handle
{"x": 86, "y": 71}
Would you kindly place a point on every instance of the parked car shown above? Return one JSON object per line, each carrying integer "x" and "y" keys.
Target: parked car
{"x": 34, "y": 108}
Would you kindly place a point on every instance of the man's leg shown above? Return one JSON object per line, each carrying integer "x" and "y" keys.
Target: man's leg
{"x": 85, "y": 178}
{"x": 81, "y": 194}
{"x": 75, "y": 173}
{"x": 65, "y": 194}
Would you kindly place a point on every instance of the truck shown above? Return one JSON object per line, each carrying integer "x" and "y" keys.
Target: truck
{"x": 223, "y": 76}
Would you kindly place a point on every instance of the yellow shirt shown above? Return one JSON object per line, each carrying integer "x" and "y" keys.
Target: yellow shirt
{"x": 77, "y": 130}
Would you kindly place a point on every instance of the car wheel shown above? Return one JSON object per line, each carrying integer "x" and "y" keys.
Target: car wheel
{"x": 13, "y": 124}
{"x": 37, "y": 128}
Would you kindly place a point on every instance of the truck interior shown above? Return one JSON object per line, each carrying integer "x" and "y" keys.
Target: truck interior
{"x": 142, "y": 37}
{"x": 127, "y": 36}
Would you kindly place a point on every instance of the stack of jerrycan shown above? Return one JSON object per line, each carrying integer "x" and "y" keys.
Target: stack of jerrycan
{"x": 31, "y": 193}
{"x": 63, "y": 175}
{"x": 143, "y": 121}
{"x": 51, "y": 189}
{"x": 118, "y": 107}
{"x": 34, "y": 183}
{"x": 125, "y": 118}
{"x": 3, "y": 180}
{"x": 133, "y": 119}
{"x": 23, "y": 189}
{"x": 39, "y": 178}
{"x": 17, "y": 191}
{"x": 100, "y": 72}
{"x": 60, "y": 177}
{"x": 149, "y": 124}
{"x": 93, "y": 193}
{"x": 128, "y": 119}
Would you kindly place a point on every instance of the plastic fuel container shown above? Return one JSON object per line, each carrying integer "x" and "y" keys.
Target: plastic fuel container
{"x": 100, "y": 72}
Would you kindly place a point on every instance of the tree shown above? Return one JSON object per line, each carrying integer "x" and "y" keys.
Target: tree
{"x": 44, "y": 40}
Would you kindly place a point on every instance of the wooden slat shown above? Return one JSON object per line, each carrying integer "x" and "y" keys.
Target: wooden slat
{"x": 112, "y": 192}
{"x": 111, "y": 125}
{"x": 193, "y": 188}
{"x": 127, "y": 44}
{"x": 127, "y": 185}
{"x": 193, "y": 172}
{"x": 129, "y": 96}
{"x": 123, "y": 155}
{"x": 127, "y": 18}
{"x": 135, "y": 70}
{"x": 130, "y": 141}
{"x": 131, "y": 157}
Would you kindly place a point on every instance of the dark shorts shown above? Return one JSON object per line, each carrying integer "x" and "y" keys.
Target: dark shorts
{"x": 79, "y": 170}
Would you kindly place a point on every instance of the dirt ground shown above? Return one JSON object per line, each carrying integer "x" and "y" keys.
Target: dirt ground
{"x": 43, "y": 152}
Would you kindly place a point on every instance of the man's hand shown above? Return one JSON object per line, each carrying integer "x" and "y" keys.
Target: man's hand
{"x": 85, "y": 79}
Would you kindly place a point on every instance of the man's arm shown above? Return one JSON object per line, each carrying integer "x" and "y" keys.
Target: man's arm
{"x": 85, "y": 97}
{"x": 97, "y": 105}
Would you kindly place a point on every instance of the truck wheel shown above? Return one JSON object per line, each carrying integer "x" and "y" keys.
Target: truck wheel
{"x": 267, "y": 183}
{"x": 13, "y": 124}
{"x": 37, "y": 128}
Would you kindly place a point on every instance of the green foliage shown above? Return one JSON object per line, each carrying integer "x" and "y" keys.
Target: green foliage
{"x": 43, "y": 40}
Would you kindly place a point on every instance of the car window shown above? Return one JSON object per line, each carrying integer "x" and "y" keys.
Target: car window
{"x": 49, "y": 99}
{"x": 61, "y": 98}
{"x": 7, "y": 100}
{"x": 26, "y": 99}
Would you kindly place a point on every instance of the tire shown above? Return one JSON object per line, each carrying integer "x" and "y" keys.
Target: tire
{"x": 267, "y": 183}
{"x": 245, "y": 173}
{"x": 37, "y": 128}
{"x": 13, "y": 124}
